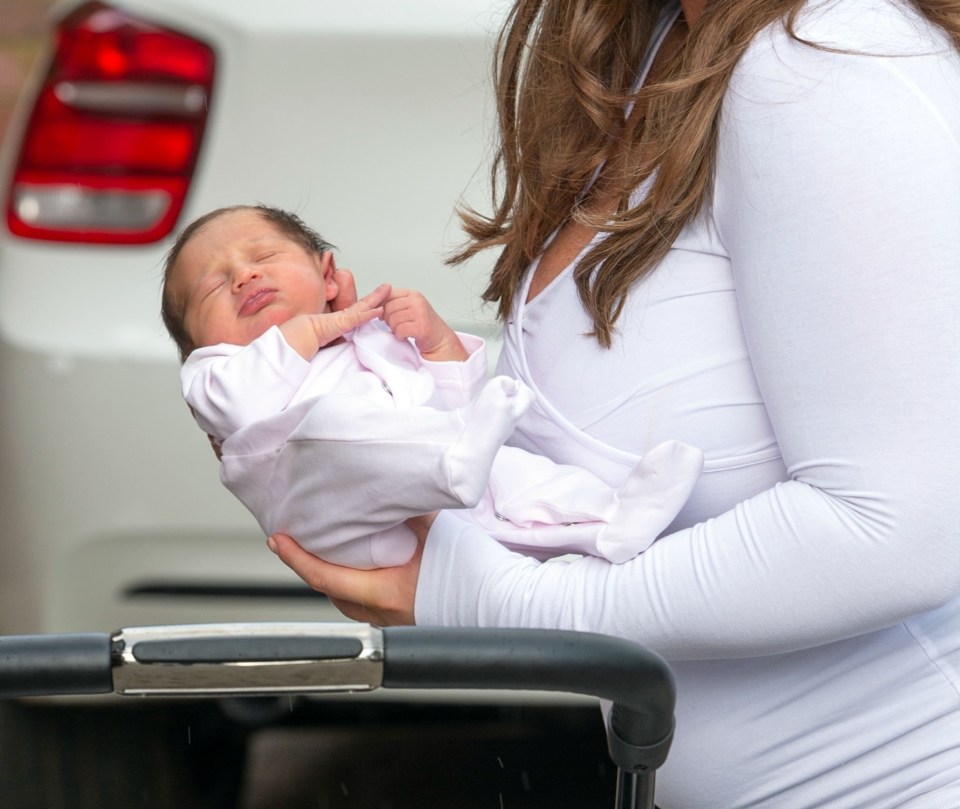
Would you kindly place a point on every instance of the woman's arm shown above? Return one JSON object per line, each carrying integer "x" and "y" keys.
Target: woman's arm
{"x": 838, "y": 197}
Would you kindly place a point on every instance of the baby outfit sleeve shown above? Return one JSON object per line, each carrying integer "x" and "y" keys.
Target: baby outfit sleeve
{"x": 228, "y": 387}
{"x": 458, "y": 383}
{"x": 837, "y": 198}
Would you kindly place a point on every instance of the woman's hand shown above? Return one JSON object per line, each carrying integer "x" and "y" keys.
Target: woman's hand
{"x": 384, "y": 597}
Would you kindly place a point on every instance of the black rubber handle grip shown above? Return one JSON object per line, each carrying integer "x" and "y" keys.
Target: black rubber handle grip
{"x": 42, "y": 665}
{"x": 637, "y": 681}
{"x": 246, "y": 649}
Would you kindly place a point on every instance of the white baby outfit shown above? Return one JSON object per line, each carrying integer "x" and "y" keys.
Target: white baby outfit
{"x": 340, "y": 450}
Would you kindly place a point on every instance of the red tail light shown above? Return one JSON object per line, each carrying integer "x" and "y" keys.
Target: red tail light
{"x": 110, "y": 148}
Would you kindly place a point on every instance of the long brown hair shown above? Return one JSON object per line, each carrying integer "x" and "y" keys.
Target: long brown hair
{"x": 564, "y": 73}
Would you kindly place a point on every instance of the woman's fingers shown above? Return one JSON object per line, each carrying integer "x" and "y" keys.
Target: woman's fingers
{"x": 307, "y": 566}
{"x": 384, "y": 596}
{"x": 332, "y": 580}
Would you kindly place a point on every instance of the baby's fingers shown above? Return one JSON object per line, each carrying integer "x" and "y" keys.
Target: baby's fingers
{"x": 368, "y": 308}
{"x": 349, "y": 319}
{"x": 333, "y": 325}
{"x": 370, "y": 305}
{"x": 373, "y": 300}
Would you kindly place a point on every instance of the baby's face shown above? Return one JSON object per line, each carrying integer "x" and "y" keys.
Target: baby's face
{"x": 238, "y": 276}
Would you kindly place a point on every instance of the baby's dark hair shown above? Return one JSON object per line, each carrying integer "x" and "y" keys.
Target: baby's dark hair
{"x": 287, "y": 223}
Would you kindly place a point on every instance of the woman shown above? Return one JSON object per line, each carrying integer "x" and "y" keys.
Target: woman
{"x": 777, "y": 280}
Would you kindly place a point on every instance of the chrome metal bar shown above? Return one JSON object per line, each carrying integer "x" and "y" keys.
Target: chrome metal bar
{"x": 252, "y": 659}
{"x": 635, "y": 790}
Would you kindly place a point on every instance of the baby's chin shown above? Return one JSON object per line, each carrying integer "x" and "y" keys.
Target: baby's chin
{"x": 258, "y": 332}
{"x": 265, "y": 320}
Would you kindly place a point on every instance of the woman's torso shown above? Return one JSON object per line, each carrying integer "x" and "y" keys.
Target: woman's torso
{"x": 776, "y": 731}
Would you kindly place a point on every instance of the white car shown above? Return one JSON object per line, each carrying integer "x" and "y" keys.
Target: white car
{"x": 370, "y": 118}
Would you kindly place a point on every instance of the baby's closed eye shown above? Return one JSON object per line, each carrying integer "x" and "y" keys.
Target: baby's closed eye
{"x": 212, "y": 287}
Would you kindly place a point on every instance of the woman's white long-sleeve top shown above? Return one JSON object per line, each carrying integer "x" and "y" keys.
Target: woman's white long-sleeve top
{"x": 805, "y": 332}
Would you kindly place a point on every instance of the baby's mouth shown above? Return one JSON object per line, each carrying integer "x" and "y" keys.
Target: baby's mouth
{"x": 256, "y": 300}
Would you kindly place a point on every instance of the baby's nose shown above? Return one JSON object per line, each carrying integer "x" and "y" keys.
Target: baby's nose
{"x": 244, "y": 275}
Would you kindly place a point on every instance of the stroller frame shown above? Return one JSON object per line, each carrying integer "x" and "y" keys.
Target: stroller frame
{"x": 258, "y": 659}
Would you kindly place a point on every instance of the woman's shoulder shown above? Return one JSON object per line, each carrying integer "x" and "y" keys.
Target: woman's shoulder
{"x": 827, "y": 30}
{"x": 843, "y": 47}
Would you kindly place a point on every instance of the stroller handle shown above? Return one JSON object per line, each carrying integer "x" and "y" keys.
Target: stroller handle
{"x": 634, "y": 679}
{"x": 49, "y": 665}
{"x": 284, "y": 658}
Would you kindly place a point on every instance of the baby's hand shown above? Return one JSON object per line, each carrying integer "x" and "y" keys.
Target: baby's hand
{"x": 307, "y": 334}
{"x": 330, "y": 326}
{"x": 410, "y": 315}
{"x": 346, "y": 290}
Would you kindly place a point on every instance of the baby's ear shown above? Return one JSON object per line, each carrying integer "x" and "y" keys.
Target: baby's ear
{"x": 328, "y": 270}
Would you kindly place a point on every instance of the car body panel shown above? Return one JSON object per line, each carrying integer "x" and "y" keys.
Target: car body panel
{"x": 370, "y": 120}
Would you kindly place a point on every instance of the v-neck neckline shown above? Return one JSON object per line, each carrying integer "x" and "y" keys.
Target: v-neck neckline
{"x": 668, "y": 19}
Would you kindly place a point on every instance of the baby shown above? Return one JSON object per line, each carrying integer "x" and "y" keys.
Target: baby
{"x": 336, "y": 420}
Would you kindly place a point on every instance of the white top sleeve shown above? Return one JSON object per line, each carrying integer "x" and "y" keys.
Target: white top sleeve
{"x": 229, "y": 386}
{"x": 837, "y": 197}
